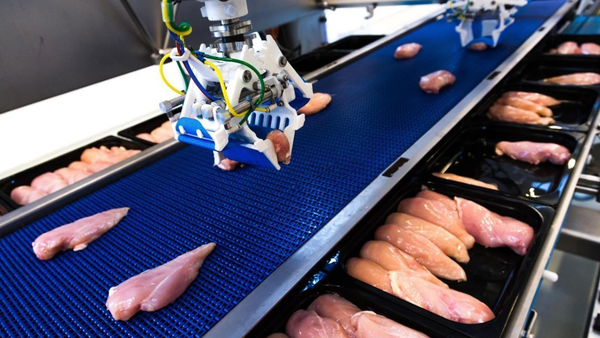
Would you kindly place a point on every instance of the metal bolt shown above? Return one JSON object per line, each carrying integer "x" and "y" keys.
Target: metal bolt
{"x": 280, "y": 103}
{"x": 247, "y": 77}
{"x": 282, "y": 61}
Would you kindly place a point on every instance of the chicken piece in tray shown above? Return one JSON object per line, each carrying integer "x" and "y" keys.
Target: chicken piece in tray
{"x": 576, "y": 79}
{"x": 493, "y": 230}
{"x": 466, "y": 180}
{"x": 541, "y": 99}
{"x": 448, "y": 303}
{"x": 512, "y": 114}
{"x": 368, "y": 324}
{"x": 447, "y": 242}
{"x": 308, "y": 324}
{"x": 439, "y": 213}
{"x": 423, "y": 250}
{"x": 524, "y": 104}
{"x": 534, "y": 152}
{"x": 156, "y": 288}
{"x": 391, "y": 258}
{"x": 590, "y": 48}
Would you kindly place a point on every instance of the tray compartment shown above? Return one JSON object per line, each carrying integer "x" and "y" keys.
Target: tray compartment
{"x": 544, "y": 67}
{"x": 555, "y": 40}
{"x": 471, "y": 153}
{"x": 314, "y": 60}
{"x": 495, "y": 276}
{"x": 277, "y": 318}
{"x": 25, "y": 177}
{"x": 577, "y": 111}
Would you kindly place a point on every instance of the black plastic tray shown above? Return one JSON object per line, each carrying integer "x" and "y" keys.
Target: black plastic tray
{"x": 315, "y": 60}
{"x": 470, "y": 153}
{"x": 25, "y": 177}
{"x": 351, "y": 43}
{"x": 5, "y": 207}
{"x": 278, "y": 317}
{"x": 554, "y": 41}
{"x": 145, "y": 127}
{"x": 537, "y": 69}
{"x": 495, "y": 276}
{"x": 576, "y": 112}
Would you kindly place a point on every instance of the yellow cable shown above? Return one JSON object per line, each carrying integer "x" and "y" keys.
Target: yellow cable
{"x": 223, "y": 89}
{"x": 167, "y": 20}
{"x": 162, "y": 75}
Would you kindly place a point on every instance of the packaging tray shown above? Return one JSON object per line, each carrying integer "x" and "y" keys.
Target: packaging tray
{"x": 537, "y": 69}
{"x": 314, "y": 60}
{"x": 554, "y": 41}
{"x": 575, "y": 113}
{"x": 470, "y": 152}
{"x": 25, "y": 177}
{"x": 496, "y": 276}
{"x": 364, "y": 300}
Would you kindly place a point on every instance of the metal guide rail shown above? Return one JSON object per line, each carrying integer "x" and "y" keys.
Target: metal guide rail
{"x": 259, "y": 219}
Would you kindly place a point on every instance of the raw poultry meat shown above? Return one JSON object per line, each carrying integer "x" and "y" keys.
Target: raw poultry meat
{"x": 158, "y": 135}
{"x": 336, "y": 308}
{"x": 368, "y": 324}
{"x": 423, "y": 250}
{"x": 369, "y": 272}
{"x": 317, "y": 103}
{"x": 434, "y": 82}
{"x": 391, "y": 258}
{"x": 541, "y": 99}
{"x": 493, "y": 230}
{"x": 72, "y": 175}
{"x": 308, "y": 324}
{"x": 156, "y": 288}
{"x": 582, "y": 79}
{"x": 447, "y": 242}
{"x": 568, "y": 47}
{"x": 534, "y": 152}
{"x": 407, "y": 50}
{"x": 478, "y": 46}
{"x": 512, "y": 114}
{"x": 590, "y": 48}
{"x": 92, "y": 161}
{"x": 434, "y": 196}
{"x": 438, "y": 213}
{"x": 78, "y": 165}
{"x": 278, "y": 335}
{"x": 105, "y": 155}
{"x": 448, "y": 303}
{"x": 281, "y": 145}
{"x": 466, "y": 180}
{"x": 48, "y": 182}
{"x": 76, "y": 235}
{"x": 25, "y": 194}
{"x": 520, "y": 103}
{"x": 228, "y": 165}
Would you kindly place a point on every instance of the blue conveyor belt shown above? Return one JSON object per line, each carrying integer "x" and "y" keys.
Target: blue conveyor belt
{"x": 257, "y": 217}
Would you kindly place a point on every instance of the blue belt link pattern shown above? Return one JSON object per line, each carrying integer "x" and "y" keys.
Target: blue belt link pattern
{"x": 257, "y": 217}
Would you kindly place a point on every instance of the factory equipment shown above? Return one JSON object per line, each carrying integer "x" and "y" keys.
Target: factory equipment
{"x": 241, "y": 89}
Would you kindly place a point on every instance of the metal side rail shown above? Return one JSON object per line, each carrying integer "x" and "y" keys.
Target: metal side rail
{"x": 257, "y": 304}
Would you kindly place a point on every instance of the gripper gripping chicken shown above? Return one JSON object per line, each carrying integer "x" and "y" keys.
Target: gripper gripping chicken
{"x": 241, "y": 90}
{"x": 496, "y": 16}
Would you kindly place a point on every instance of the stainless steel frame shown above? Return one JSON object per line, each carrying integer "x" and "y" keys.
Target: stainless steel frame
{"x": 248, "y": 312}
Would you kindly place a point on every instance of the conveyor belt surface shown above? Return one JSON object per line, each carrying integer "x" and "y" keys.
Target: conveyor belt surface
{"x": 257, "y": 217}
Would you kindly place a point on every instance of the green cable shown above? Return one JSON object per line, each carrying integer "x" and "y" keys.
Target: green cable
{"x": 185, "y": 79}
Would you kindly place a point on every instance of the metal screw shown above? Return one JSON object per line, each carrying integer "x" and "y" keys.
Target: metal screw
{"x": 247, "y": 77}
{"x": 280, "y": 103}
{"x": 282, "y": 61}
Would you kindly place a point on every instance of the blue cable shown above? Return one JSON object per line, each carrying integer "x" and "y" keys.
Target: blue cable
{"x": 189, "y": 69}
